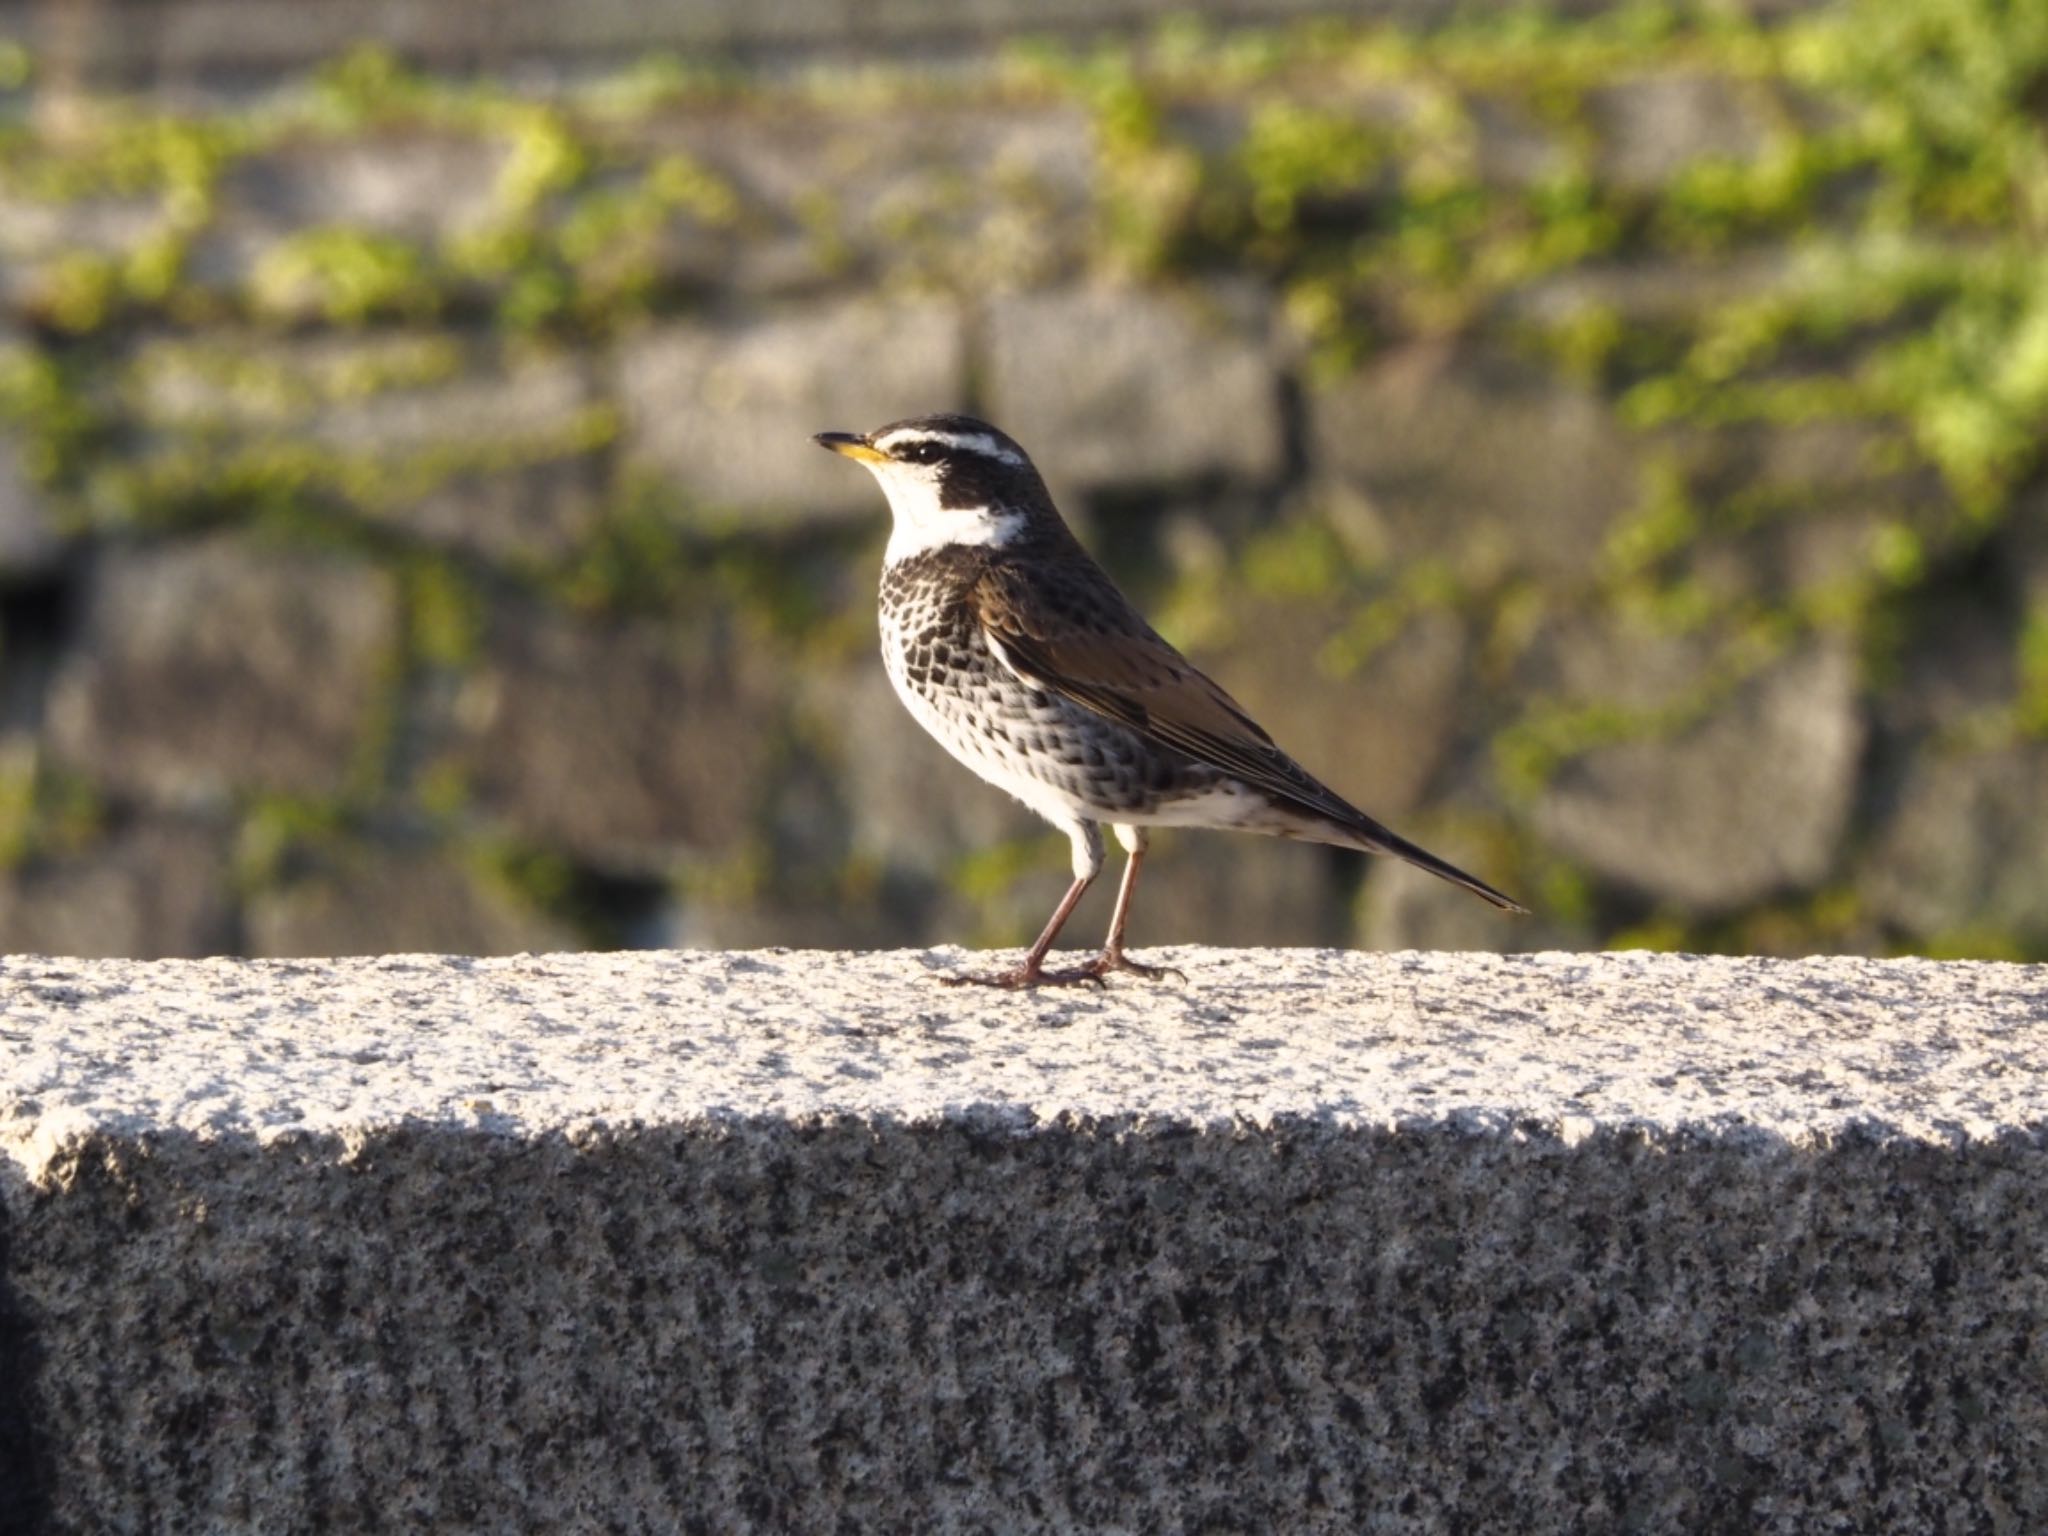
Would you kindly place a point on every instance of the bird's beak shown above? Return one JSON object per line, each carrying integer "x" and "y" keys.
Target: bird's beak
{"x": 852, "y": 445}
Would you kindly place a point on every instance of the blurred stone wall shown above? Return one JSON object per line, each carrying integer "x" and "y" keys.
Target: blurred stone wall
{"x": 177, "y": 44}
{"x": 1606, "y": 448}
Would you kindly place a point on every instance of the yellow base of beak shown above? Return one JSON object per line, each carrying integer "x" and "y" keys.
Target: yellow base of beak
{"x": 851, "y": 446}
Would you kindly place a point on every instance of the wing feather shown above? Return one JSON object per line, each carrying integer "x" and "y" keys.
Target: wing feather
{"x": 1080, "y": 639}
{"x": 1083, "y": 641}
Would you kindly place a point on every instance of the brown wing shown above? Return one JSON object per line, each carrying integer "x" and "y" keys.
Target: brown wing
{"x": 1078, "y": 637}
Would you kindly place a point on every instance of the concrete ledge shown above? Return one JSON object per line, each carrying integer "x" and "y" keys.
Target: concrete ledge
{"x": 778, "y": 1242}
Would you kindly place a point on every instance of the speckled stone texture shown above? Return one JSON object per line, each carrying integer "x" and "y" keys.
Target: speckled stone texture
{"x": 1318, "y": 1241}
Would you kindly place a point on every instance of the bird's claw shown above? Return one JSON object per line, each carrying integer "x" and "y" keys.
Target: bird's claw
{"x": 1094, "y": 973}
{"x": 1018, "y": 978}
{"x": 1106, "y": 962}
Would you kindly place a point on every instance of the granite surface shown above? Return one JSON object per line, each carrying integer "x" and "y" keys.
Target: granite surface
{"x": 803, "y": 1241}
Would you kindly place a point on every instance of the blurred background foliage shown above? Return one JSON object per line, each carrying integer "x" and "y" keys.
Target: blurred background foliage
{"x": 1609, "y": 446}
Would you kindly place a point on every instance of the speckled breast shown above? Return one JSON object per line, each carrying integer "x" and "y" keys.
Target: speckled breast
{"x": 1058, "y": 758}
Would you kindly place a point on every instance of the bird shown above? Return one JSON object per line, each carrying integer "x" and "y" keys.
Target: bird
{"x": 1009, "y": 644}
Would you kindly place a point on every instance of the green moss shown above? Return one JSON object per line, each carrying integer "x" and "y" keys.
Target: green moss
{"x": 611, "y": 242}
{"x": 1973, "y": 944}
{"x": 442, "y": 791}
{"x": 534, "y": 877}
{"x": 1828, "y": 921}
{"x": 47, "y": 400}
{"x": 992, "y": 871}
{"x": 120, "y": 150}
{"x": 1380, "y": 619}
{"x": 373, "y": 758}
{"x": 17, "y": 802}
{"x": 66, "y": 812}
{"x": 280, "y": 833}
{"x": 45, "y": 810}
{"x": 345, "y": 276}
{"x": 2030, "y": 710}
{"x": 444, "y": 614}
{"x": 1293, "y": 155}
{"x": 546, "y": 159}
{"x": 737, "y": 880}
{"x": 1551, "y": 731}
{"x": 987, "y": 878}
{"x": 1892, "y": 215}
{"x": 367, "y": 86}
{"x": 655, "y": 554}
{"x": 1528, "y": 753}
{"x": 641, "y": 558}
{"x": 224, "y": 382}
{"x": 1563, "y": 894}
{"x": 1667, "y": 935}
{"x": 1666, "y": 521}
{"x": 1933, "y": 130}
{"x": 211, "y": 476}
{"x": 1298, "y": 559}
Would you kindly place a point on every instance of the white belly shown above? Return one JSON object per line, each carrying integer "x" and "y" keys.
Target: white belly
{"x": 986, "y": 757}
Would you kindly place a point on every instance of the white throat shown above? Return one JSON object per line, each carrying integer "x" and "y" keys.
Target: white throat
{"x": 923, "y": 524}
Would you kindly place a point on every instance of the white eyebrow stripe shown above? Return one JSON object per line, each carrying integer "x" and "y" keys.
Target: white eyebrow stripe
{"x": 971, "y": 442}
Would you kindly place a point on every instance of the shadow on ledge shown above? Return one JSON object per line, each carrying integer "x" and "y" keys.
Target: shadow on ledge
{"x": 980, "y": 1324}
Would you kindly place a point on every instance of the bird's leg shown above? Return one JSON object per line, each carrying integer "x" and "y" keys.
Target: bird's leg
{"x": 1032, "y": 972}
{"x": 1113, "y": 957}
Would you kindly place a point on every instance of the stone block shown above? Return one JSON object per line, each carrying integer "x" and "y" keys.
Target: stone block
{"x": 220, "y": 664}
{"x": 907, "y": 805}
{"x": 1511, "y": 145}
{"x": 628, "y": 743}
{"x": 1198, "y": 887}
{"x": 1651, "y": 128}
{"x": 507, "y": 404}
{"x": 388, "y": 397}
{"x": 375, "y": 900}
{"x": 1229, "y": 888}
{"x": 2025, "y": 541}
{"x": 978, "y": 200}
{"x": 1490, "y": 464}
{"x": 1110, "y": 388}
{"x": 1961, "y": 850}
{"x": 895, "y": 909}
{"x": 36, "y": 234}
{"x": 1402, "y": 908}
{"x": 723, "y": 411}
{"x": 36, "y": 229}
{"x": 1817, "y": 501}
{"x": 421, "y": 190}
{"x": 244, "y": 44}
{"x": 1749, "y": 801}
{"x": 30, "y": 545}
{"x": 1647, "y": 289}
{"x": 1375, "y": 733}
{"x": 539, "y": 514}
{"x": 1956, "y": 662}
{"x": 1318, "y": 1242}
{"x": 236, "y": 45}
{"x": 147, "y": 890}
{"x": 1812, "y": 470}
{"x": 422, "y": 187}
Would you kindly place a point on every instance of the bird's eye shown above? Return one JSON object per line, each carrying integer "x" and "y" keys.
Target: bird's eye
{"x": 921, "y": 453}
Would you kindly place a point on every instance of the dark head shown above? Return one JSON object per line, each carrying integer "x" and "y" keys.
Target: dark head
{"x": 950, "y": 480}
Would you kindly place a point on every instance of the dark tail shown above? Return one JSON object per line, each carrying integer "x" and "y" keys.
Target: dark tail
{"x": 1370, "y": 836}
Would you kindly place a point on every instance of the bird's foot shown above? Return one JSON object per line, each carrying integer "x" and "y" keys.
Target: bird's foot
{"x": 1117, "y": 960}
{"x": 1020, "y": 977}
